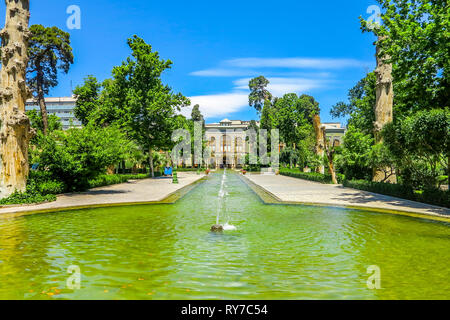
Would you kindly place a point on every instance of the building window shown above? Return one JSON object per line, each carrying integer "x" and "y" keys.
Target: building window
{"x": 239, "y": 144}
{"x": 212, "y": 144}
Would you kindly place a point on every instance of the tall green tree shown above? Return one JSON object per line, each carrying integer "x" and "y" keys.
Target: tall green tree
{"x": 415, "y": 35}
{"x": 291, "y": 119}
{"x": 309, "y": 106}
{"x": 258, "y": 92}
{"x": 360, "y": 106}
{"x": 148, "y": 108}
{"x": 196, "y": 115}
{"x": 87, "y": 99}
{"x": 49, "y": 51}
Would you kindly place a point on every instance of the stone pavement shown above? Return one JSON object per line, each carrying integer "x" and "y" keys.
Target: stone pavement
{"x": 288, "y": 189}
{"x": 134, "y": 191}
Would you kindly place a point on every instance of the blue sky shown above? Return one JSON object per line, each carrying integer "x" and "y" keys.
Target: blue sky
{"x": 312, "y": 47}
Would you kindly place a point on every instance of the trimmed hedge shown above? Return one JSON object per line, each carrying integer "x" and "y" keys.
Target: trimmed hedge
{"x": 109, "y": 179}
{"x": 189, "y": 169}
{"x": 431, "y": 196}
{"x": 312, "y": 176}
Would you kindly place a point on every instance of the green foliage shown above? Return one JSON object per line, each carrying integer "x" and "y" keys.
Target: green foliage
{"x": 354, "y": 157}
{"x": 49, "y": 51}
{"x": 289, "y": 156}
{"x": 431, "y": 196}
{"x": 42, "y": 182}
{"x": 308, "y": 106}
{"x": 268, "y": 115}
{"x": 51, "y": 187}
{"x": 109, "y": 179}
{"x": 37, "y": 123}
{"x": 359, "y": 109}
{"x": 137, "y": 100}
{"x": 26, "y": 198}
{"x": 40, "y": 188}
{"x": 415, "y": 34}
{"x": 258, "y": 92}
{"x": 196, "y": 115}
{"x": 312, "y": 176}
{"x": 291, "y": 118}
{"x": 190, "y": 169}
{"x": 78, "y": 155}
{"x": 87, "y": 99}
{"x": 420, "y": 146}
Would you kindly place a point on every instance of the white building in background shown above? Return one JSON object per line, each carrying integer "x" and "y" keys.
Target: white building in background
{"x": 334, "y": 132}
{"x": 62, "y": 107}
{"x": 227, "y": 138}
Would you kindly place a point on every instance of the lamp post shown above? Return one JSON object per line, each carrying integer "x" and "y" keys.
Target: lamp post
{"x": 174, "y": 175}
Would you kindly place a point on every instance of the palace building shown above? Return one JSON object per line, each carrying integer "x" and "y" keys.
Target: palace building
{"x": 227, "y": 141}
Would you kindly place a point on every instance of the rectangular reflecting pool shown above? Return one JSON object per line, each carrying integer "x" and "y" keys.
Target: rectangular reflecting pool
{"x": 166, "y": 251}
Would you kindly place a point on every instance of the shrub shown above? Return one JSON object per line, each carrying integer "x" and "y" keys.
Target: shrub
{"x": 39, "y": 189}
{"x": 51, "y": 187}
{"x": 190, "y": 169}
{"x": 312, "y": 176}
{"x": 106, "y": 180}
{"x": 25, "y": 198}
{"x": 76, "y": 156}
{"x": 431, "y": 196}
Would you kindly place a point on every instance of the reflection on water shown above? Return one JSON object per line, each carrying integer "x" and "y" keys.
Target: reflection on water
{"x": 277, "y": 252}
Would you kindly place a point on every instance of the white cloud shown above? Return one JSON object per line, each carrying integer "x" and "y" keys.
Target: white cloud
{"x": 217, "y": 105}
{"x": 222, "y": 72}
{"x": 296, "y": 63}
{"x": 284, "y": 74}
{"x": 279, "y": 86}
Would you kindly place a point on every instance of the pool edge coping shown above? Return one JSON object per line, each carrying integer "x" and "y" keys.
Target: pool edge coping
{"x": 177, "y": 195}
{"x": 261, "y": 192}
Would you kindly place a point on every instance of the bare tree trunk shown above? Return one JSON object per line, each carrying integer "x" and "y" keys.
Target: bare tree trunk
{"x": 150, "y": 161}
{"x": 42, "y": 106}
{"x": 319, "y": 141}
{"x": 330, "y": 155}
{"x": 383, "y": 107}
{"x": 110, "y": 169}
{"x": 15, "y": 132}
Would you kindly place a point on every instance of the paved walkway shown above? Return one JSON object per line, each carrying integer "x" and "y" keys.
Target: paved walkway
{"x": 303, "y": 191}
{"x": 134, "y": 191}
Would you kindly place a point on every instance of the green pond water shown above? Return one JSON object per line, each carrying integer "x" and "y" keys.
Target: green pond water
{"x": 166, "y": 251}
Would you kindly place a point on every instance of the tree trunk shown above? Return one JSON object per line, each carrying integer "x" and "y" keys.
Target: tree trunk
{"x": 383, "y": 107}
{"x": 150, "y": 161}
{"x": 110, "y": 169}
{"x": 15, "y": 131}
{"x": 330, "y": 155}
{"x": 320, "y": 135}
{"x": 41, "y": 101}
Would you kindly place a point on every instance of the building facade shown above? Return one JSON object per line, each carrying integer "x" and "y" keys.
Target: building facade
{"x": 62, "y": 107}
{"x": 227, "y": 141}
{"x": 334, "y": 133}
